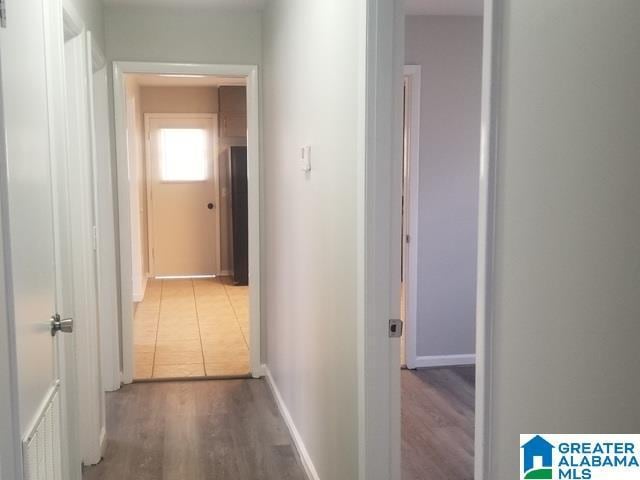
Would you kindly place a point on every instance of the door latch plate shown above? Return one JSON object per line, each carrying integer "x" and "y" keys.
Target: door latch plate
{"x": 395, "y": 328}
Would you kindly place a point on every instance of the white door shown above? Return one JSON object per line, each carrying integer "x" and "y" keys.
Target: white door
{"x": 183, "y": 195}
{"x": 27, "y": 227}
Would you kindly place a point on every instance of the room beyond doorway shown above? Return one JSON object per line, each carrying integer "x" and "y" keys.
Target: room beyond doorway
{"x": 201, "y": 320}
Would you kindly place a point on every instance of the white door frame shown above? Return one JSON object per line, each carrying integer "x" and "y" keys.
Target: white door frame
{"x": 120, "y": 69}
{"x": 81, "y": 181}
{"x": 490, "y": 130}
{"x": 382, "y": 19}
{"x": 105, "y": 220}
{"x": 213, "y": 117}
{"x": 412, "y": 203}
{"x": 10, "y": 454}
{"x": 379, "y": 224}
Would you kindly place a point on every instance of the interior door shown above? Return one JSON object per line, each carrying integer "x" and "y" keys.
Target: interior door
{"x": 27, "y": 228}
{"x": 183, "y": 211}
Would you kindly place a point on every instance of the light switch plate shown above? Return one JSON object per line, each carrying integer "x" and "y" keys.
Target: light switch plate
{"x": 305, "y": 158}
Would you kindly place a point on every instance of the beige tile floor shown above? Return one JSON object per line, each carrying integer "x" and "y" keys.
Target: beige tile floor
{"x": 192, "y": 328}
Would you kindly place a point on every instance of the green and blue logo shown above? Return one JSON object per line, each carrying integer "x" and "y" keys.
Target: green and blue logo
{"x": 580, "y": 456}
{"x": 537, "y": 459}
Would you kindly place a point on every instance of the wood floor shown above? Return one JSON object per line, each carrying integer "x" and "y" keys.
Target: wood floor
{"x": 197, "y": 430}
{"x": 438, "y": 423}
{"x": 192, "y": 328}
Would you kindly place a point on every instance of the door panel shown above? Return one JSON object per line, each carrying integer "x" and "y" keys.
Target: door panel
{"x": 184, "y": 219}
{"x": 29, "y": 206}
{"x": 33, "y": 177}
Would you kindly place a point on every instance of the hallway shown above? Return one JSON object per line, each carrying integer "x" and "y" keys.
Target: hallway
{"x": 198, "y": 430}
{"x": 192, "y": 328}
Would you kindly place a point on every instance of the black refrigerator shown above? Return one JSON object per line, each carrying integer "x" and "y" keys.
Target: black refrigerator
{"x": 239, "y": 214}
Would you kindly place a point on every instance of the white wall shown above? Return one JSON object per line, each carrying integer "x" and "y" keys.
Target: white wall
{"x": 309, "y": 227}
{"x": 92, "y": 14}
{"x": 162, "y": 34}
{"x": 565, "y": 293}
{"x": 449, "y": 49}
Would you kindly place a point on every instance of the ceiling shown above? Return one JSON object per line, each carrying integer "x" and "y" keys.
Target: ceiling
{"x": 244, "y": 4}
{"x": 147, "y": 80}
{"x": 414, "y": 7}
{"x": 444, "y": 7}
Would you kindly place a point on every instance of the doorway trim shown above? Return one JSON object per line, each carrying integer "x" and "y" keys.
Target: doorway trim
{"x": 81, "y": 180}
{"x": 213, "y": 118}
{"x": 489, "y": 154}
{"x": 250, "y": 72}
{"x": 380, "y": 389}
{"x": 10, "y": 454}
{"x": 379, "y": 223}
{"x": 412, "y": 74}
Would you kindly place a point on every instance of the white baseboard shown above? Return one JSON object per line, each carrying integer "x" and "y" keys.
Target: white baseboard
{"x": 309, "y": 468}
{"x": 139, "y": 295}
{"x": 103, "y": 441}
{"x": 444, "y": 361}
{"x": 260, "y": 372}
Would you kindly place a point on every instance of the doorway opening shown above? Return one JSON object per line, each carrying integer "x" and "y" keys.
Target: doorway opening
{"x": 190, "y": 146}
{"x": 441, "y": 168}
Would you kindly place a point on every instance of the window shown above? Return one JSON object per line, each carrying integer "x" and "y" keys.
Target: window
{"x": 183, "y": 154}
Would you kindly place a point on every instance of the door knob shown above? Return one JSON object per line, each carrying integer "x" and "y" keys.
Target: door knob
{"x": 210, "y": 206}
{"x": 61, "y": 325}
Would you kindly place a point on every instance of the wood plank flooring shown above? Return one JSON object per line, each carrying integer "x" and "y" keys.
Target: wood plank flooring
{"x": 197, "y": 430}
{"x": 231, "y": 429}
{"x": 438, "y": 423}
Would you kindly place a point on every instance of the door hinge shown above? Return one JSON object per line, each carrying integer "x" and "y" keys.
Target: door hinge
{"x": 395, "y": 328}
{"x": 407, "y": 238}
{"x": 3, "y": 14}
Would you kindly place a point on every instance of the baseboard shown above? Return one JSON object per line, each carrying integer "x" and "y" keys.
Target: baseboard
{"x": 309, "y": 468}
{"x": 103, "y": 441}
{"x": 444, "y": 361}
{"x": 225, "y": 273}
{"x": 259, "y": 372}
{"x": 139, "y": 296}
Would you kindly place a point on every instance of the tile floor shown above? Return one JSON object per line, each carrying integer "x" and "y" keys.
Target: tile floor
{"x": 192, "y": 328}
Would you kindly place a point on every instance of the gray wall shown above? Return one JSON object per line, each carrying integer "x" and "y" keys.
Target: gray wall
{"x": 565, "y": 294}
{"x": 92, "y": 14}
{"x": 310, "y": 222}
{"x": 163, "y": 34}
{"x": 449, "y": 49}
